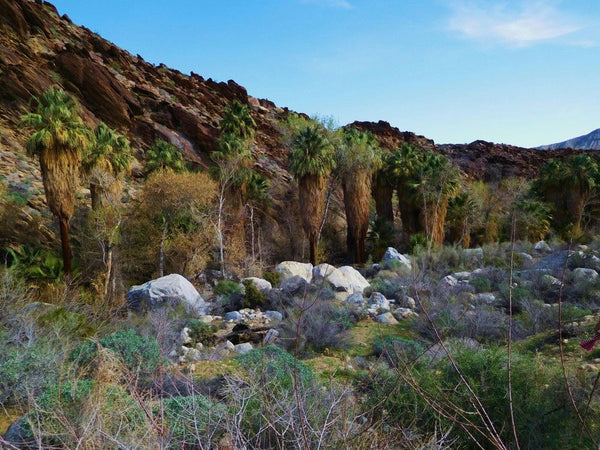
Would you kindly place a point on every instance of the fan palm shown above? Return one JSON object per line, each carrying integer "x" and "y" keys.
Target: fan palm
{"x": 357, "y": 158}
{"x": 237, "y": 121}
{"x": 310, "y": 161}
{"x": 58, "y": 139}
{"x": 164, "y": 155}
{"x": 105, "y": 162}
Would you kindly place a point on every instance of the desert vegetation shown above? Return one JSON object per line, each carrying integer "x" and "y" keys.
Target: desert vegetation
{"x": 380, "y": 298}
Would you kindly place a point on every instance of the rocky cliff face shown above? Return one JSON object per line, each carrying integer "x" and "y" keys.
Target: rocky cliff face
{"x": 39, "y": 48}
{"x": 590, "y": 141}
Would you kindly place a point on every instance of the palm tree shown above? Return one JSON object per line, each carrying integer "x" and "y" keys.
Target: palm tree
{"x": 310, "y": 161}
{"x": 58, "y": 139}
{"x": 436, "y": 181}
{"x": 237, "y": 121}
{"x": 105, "y": 161}
{"x": 568, "y": 186}
{"x": 164, "y": 155}
{"x": 357, "y": 158}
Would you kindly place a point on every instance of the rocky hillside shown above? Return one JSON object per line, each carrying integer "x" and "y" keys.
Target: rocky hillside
{"x": 39, "y": 48}
{"x": 590, "y": 141}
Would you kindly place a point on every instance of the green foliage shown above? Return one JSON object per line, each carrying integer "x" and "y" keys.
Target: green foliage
{"x": 532, "y": 219}
{"x": 109, "y": 151}
{"x": 394, "y": 348}
{"x": 418, "y": 241}
{"x": 237, "y": 121}
{"x": 201, "y": 332}
{"x": 358, "y": 151}
{"x": 276, "y": 364}
{"x": 35, "y": 263}
{"x": 138, "y": 353}
{"x": 381, "y": 235}
{"x": 253, "y": 297}
{"x": 481, "y": 284}
{"x": 273, "y": 277}
{"x": 311, "y": 153}
{"x": 26, "y": 371}
{"x": 67, "y": 323}
{"x": 192, "y": 420}
{"x": 226, "y": 288}
{"x": 164, "y": 155}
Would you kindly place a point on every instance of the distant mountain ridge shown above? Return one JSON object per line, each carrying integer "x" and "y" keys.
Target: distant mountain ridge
{"x": 590, "y": 141}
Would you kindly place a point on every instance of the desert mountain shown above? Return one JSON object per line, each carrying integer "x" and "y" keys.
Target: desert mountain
{"x": 590, "y": 141}
{"x": 39, "y": 48}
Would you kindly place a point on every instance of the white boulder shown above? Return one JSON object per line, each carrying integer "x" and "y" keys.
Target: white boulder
{"x": 170, "y": 290}
{"x": 348, "y": 279}
{"x": 393, "y": 256}
{"x": 289, "y": 269}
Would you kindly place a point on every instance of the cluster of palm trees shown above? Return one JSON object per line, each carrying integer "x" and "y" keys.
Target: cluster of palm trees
{"x": 65, "y": 147}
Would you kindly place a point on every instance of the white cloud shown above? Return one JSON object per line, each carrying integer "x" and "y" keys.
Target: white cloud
{"x": 520, "y": 23}
{"x": 345, "y": 4}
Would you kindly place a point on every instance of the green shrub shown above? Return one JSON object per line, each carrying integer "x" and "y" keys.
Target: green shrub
{"x": 202, "y": 332}
{"x": 253, "y": 298}
{"x": 276, "y": 364}
{"x": 226, "y": 288}
{"x": 26, "y": 371}
{"x": 66, "y": 322}
{"x": 394, "y": 348}
{"x": 138, "y": 353}
{"x": 481, "y": 284}
{"x": 193, "y": 420}
{"x": 418, "y": 241}
{"x": 273, "y": 277}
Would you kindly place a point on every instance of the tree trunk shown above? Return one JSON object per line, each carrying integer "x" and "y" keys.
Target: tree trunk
{"x": 96, "y": 194}
{"x": 383, "y": 192}
{"x": 357, "y": 199}
{"x": 66, "y": 245}
{"x": 161, "y": 252}
{"x": 310, "y": 197}
{"x": 313, "y": 249}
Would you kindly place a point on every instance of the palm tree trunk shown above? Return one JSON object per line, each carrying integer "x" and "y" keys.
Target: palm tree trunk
{"x": 161, "y": 252}
{"x": 382, "y": 192}
{"x": 66, "y": 245}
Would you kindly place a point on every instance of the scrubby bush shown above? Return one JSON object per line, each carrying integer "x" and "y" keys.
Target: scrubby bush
{"x": 275, "y": 363}
{"x": 253, "y": 297}
{"x": 319, "y": 326}
{"x": 138, "y": 353}
{"x": 273, "y": 277}
{"x": 394, "y": 348}
{"x": 193, "y": 421}
{"x": 481, "y": 284}
{"x": 226, "y": 288}
{"x": 202, "y": 332}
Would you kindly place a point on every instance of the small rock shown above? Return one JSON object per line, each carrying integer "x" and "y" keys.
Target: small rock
{"x": 526, "y": 257}
{"x": 234, "y": 316}
{"x": 270, "y": 337}
{"x": 582, "y": 273}
{"x": 206, "y": 318}
{"x": 295, "y": 285}
{"x": 450, "y": 280}
{"x": 378, "y": 300}
{"x": 386, "y": 318}
{"x": 553, "y": 281}
{"x": 409, "y": 302}
{"x": 404, "y": 313}
{"x": 185, "y": 336}
{"x": 274, "y": 315}
{"x": 260, "y": 283}
{"x": 394, "y": 257}
{"x": 356, "y": 298}
{"x": 462, "y": 276}
{"x": 190, "y": 354}
{"x": 486, "y": 297}
{"x": 243, "y": 348}
{"x": 542, "y": 246}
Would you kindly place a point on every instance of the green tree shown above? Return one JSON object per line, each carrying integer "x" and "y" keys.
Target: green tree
{"x": 233, "y": 168}
{"x": 357, "y": 158}
{"x": 568, "y": 186}
{"x": 58, "y": 140}
{"x": 311, "y": 160}
{"x": 105, "y": 162}
{"x": 164, "y": 155}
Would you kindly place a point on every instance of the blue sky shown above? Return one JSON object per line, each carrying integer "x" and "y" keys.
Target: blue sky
{"x": 522, "y": 72}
